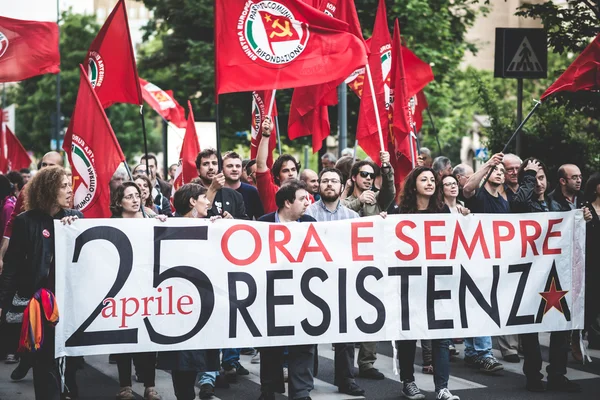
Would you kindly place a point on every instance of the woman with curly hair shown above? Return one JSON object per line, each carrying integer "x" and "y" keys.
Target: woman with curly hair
{"x": 29, "y": 271}
{"x": 422, "y": 195}
{"x": 145, "y": 186}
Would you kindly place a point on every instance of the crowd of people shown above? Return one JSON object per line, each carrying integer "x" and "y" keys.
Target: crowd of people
{"x": 249, "y": 189}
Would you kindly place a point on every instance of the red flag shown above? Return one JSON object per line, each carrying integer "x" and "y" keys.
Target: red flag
{"x": 260, "y": 104}
{"x": 3, "y": 152}
{"x": 380, "y": 63}
{"x": 308, "y": 110}
{"x": 163, "y": 103}
{"x": 27, "y": 48}
{"x": 186, "y": 166}
{"x": 582, "y": 74}
{"x": 266, "y": 45}
{"x": 16, "y": 154}
{"x": 110, "y": 61}
{"x": 93, "y": 150}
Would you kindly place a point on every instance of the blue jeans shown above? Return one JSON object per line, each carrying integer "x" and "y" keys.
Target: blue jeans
{"x": 479, "y": 347}
{"x": 231, "y": 357}
{"x": 208, "y": 378}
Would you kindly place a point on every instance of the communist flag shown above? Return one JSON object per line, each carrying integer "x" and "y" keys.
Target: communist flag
{"x": 266, "y": 45}
{"x": 380, "y": 60}
{"x": 582, "y": 74}
{"x": 15, "y": 152}
{"x": 186, "y": 166}
{"x": 27, "y": 49}
{"x": 163, "y": 103}
{"x": 93, "y": 151}
{"x": 110, "y": 61}
{"x": 308, "y": 111}
{"x": 260, "y": 103}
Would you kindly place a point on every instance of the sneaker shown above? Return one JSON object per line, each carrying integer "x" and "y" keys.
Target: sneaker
{"x": 230, "y": 374}
{"x": 125, "y": 393}
{"x": 562, "y": 384}
{"x": 21, "y": 371}
{"x": 453, "y": 351}
{"x": 11, "y": 359}
{"x": 535, "y": 386}
{"x": 427, "y": 369}
{"x": 240, "y": 370}
{"x": 352, "y": 389}
{"x": 489, "y": 365}
{"x": 150, "y": 393}
{"x": 512, "y": 358}
{"x": 411, "y": 391}
{"x": 206, "y": 391}
{"x": 471, "y": 361}
{"x": 445, "y": 394}
{"x": 255, "y": 358}
{"x": 285, "y": 374}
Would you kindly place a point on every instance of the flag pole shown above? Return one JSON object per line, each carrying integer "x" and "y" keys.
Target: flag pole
{"x": 271, "y": 103}
{"x": 435, "y": 132}
{"x": 278, "y": 134}
{"x": 516, "y": 132}
{"x": 145, "y": 139}
{"x": 376, "y": 107}
{"x": 219, "y": 157}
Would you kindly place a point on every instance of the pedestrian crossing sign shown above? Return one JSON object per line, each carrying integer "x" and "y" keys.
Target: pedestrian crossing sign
{"x": 521, "y": 53}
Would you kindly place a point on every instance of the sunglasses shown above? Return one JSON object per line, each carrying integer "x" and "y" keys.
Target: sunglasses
{"x": 364, "y": 174}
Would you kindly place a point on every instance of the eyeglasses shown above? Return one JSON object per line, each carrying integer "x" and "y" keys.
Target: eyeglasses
{"x": 332, "y": 181}
{"x": 450, "y": 184}
{"x": 364, "y": 174}
{"x": 132, "y": 196}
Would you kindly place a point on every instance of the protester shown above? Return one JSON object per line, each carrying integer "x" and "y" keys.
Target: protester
{"x": 311, "y": 179}
{"x": 328, "y": 160}
{"x": 592, "y": 263}
{"x": 330, "y": 208}
{"x": 442, "y": 166}
{"x": 25, "y": 174}
{"x": 158, "y": 185}
{"x": 144, "y": 183}
{"x": 425, "y": 157}
{"x": 485, "y": 199}
{"x": 344, "y": 165}
{"x": 161, "y": 201}
{"x": 232, "y": 170}
{"x": 250, "y": 173}
{"x": 226, "y": 202}
{"x": 172, "y": 170}
{"x": 347, "y": 152}
{"x": 118, "y": 178}
{"x": 362, "y": 199}
{"x": 292, "y": 201}
{"x": 29, "y": 272}
{"x": 126, "y": 203}
{"x": 512, "y": 163}
{"x": 531, "y": 197}
{"x": 450, "y": 194}
{"x": 190, "y": 201}
{"x": 267, "y": 180}
{"x": 17, "y": 181}
{"x": 420, "y": 194}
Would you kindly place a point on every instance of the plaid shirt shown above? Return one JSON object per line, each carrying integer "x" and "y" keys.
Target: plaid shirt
{"x": 319, "y": 212}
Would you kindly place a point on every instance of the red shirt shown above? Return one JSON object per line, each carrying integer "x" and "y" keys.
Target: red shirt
{"x": 266, "y": 190}
{"x": 19, "y": 208}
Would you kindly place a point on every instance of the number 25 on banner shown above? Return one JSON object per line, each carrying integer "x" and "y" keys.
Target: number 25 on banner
{"x": 119, "y": 240}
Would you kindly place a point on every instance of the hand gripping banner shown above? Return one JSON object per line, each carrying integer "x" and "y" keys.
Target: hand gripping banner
{"x": 142, "y": 285}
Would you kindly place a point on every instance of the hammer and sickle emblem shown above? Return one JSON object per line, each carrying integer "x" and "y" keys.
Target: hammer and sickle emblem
{"x": 285, "y": 30}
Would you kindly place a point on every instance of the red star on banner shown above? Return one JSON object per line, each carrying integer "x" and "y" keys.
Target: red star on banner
{"x": 553, "y": 297}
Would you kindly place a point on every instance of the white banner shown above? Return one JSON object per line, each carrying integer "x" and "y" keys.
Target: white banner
{"x": 142, "y": 285}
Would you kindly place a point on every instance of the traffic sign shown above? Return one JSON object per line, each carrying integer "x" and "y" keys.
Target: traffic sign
{"x": 521, "y": 53}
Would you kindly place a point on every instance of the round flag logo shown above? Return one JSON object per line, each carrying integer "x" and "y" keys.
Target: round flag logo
{"x": 3, "y": 44}
{"x": 269, "y": 33}
{"x": 85, "y": 180}
{"x": 95, "y": 69}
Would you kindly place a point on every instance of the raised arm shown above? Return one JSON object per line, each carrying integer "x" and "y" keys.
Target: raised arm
{"x": 263, "y": 147}
{"x": 475, "y": 180}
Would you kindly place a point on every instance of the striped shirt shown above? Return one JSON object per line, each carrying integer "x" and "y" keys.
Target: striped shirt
{"x": 319, "y": 212}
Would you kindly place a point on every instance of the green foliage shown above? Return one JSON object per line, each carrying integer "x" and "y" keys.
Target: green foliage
{"x": 36, "y": 97}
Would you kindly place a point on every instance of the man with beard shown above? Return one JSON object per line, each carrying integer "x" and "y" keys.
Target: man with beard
{"x": 485, "y": 199}
{"x": 232, "y": 169}
{"x": 330, "y": 208}
{"x": 226, "y": 202}
{"x": 311, "y": 179}
{"x": 569, "y": 196}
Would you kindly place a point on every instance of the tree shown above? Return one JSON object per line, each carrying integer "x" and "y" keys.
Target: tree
{"x": 36, "y": 97}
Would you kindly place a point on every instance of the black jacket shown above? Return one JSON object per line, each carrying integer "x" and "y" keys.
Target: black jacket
{"x": 558, "y": 197}
{"x": 231, "y": 201}
{"x": 270, "y": 217}
{"x": 524, "y": 200}
{"x": 165, "y": 188}
{"x": 29, "y": 260}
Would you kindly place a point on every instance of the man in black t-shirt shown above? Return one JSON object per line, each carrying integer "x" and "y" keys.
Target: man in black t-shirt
{"x": 232, "y": 169}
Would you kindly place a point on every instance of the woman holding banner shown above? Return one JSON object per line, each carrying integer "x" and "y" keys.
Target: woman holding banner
{"x": 29, "y": 271}
{"x": 125, "y": 203}
{"x": 421, "y": 194}
{"x": 190, "y": 201}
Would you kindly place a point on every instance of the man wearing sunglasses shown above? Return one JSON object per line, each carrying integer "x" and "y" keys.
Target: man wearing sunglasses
{"x": 366, "y": 201}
